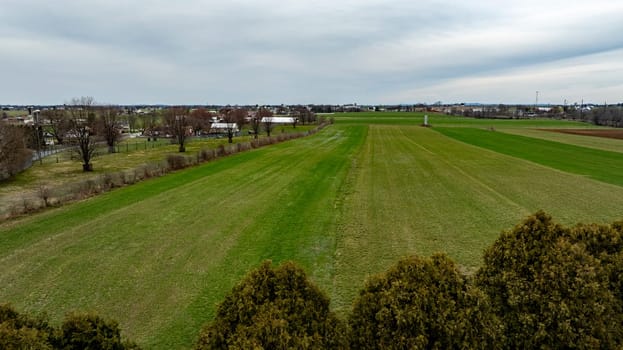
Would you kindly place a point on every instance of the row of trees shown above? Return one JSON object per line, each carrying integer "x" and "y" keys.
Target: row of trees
{"x": 83, "y": 124}
{"x": 607, "y": 115}
{"x": 542, "y": 285}
{"x": 603, "y": 115}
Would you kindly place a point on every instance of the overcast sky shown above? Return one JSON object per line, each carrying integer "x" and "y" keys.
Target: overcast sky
{"x": 303, "y": 51}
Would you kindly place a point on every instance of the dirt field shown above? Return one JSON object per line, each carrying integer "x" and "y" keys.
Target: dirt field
{"x": 609, "y": 133}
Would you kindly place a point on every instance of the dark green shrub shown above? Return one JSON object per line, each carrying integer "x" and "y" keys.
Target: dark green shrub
{"x": 274, "y": 308}
{"x": 548, "y": 289}
{"x": 422, "y": 303}
{"x": 605, "y": 243}
{"x": 18, "y": 331}
{"x": 90, "y": 331}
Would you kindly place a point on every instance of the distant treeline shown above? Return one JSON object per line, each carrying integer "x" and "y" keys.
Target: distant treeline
{"x": 605, "y": 115}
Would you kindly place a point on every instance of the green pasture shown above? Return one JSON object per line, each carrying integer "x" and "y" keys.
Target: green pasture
{"x": 601, "y": 143}
{"x": 415, "y": 190}
{"x": 65, "y": 167}
{"x": 345, "y": 203}
{"x": 158, "y": 256}
{"x": 600, "y": 165}
{"x": 436, "y": 119}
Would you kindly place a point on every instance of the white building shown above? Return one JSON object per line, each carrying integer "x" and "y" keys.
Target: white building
{"x": 280, "y": 120}
{"x": 223, "y": 128}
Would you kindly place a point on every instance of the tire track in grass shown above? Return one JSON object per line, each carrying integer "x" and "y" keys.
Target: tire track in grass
{"x": 472, "y": 178}
{"x": 297, "y": 223}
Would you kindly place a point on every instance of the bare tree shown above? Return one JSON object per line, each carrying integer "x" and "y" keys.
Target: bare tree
{"x": 297, "y": 116}
{"x": 150, "y": 124}
{"x": 82, "y": 130}
{"x": 305, "y": 116}
{"x": 177, "y": 123}
{"x": 110, "y": 126}
{"x": 14, "y": 156}
{"x": 200, "y": 120}
{"x": 267, "y": 122}
{"x": 57, "y": 123}
{"x": 256, "y": 121}
{"x": 240, "y": 117}
{"x": 229, "y": 118}
{"x": 131, "y": 119}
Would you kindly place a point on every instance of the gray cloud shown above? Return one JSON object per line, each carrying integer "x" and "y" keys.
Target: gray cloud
{"x": 366, "y": 51}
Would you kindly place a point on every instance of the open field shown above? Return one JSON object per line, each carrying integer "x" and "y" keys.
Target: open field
{"x": 64, "y": 167}
{"x": 417, "y": 118}
{"x": 600, "y": 165}
{"x": 413, "y": 190}
{"x": 157, "y": 256}
{"x": 345, "y": 203}
{"x": 602, "y": 143}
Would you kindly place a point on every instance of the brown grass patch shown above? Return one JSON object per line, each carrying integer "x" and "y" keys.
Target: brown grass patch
{"x": 607, "y": 133}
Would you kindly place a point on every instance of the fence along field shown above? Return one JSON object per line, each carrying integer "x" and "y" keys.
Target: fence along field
{"x": 345, "y": 203}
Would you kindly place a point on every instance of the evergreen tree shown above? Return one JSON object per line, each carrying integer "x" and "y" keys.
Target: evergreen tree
{"x": 422, "y": 303}
{"x": 548, "y": 289}
{"x": 274, "y": 308}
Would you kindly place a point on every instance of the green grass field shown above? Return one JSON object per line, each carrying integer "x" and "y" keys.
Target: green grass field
{"x": 345, "y": 203}
{"x": 64, "y": 168}
{"x": 601, "y": 143}
{"x": 601, "y": 165}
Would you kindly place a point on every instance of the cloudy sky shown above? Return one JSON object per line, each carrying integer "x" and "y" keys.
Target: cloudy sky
{"x": 303, "y": 51}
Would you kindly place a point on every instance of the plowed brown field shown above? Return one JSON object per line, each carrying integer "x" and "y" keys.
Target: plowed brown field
{"x": 609, "y": 133}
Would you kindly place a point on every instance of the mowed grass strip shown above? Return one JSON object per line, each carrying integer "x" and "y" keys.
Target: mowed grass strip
{"x": 413, "y": 190}
{"x": 597, "y": 164}
{"x": 158, "y": 256}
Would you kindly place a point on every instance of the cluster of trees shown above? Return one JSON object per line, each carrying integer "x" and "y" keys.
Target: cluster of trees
{"x": 542, "y": 285}
{"x": 83, "y": 124}
{"x": 77, "y": 332}
{"x": 607, "y": 115}
{"x": 602, "y": 115}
